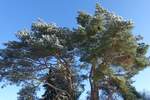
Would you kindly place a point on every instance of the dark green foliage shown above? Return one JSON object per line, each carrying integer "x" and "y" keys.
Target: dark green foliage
{"x": 46, "y": 55}
{"x": 27, "y": 60}
{"x": 109, "y": 38}
{"x": 27, "y": 93}
{"x": 56, "y": 78}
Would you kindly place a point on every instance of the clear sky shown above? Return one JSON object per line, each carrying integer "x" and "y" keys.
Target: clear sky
{"x": 19, "y": 14}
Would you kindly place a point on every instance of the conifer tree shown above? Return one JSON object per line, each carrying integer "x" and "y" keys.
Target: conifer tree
{"x": 106, "y": 41}
{"x": 28, "y": 60}
{"x": 46, "y": 54}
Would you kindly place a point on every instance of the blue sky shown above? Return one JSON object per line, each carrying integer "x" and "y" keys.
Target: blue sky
{"x": 19, "y": 14}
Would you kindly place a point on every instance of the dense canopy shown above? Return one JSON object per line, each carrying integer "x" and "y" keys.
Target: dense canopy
{"x": 103, "y": 46}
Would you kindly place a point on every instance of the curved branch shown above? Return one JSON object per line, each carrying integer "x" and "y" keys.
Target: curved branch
{"x": 54, "y": 87}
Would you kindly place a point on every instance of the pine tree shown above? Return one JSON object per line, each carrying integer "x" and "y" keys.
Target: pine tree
{"x": 28, "y": 60}
{"x": 105, "y": 41}
{"x": 46, "y": 54}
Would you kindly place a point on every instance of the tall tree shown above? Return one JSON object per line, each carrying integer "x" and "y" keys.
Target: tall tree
{"x": 106, "y": 42}
{"x": 28, "y": 60}
{"x": 47, "y": 55}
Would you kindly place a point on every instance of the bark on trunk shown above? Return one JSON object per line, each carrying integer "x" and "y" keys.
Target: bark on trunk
{"x": 95, "y": 92}
{"x": 69, "y": 77}
{"x": 94, "y": 84}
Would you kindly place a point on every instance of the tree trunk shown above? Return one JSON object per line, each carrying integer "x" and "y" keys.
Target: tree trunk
{"x": 94, "y": 84}
{"x": 95, "y": 92}
{"x": 69, "y": 78}
{"x": 71, "y": 90}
